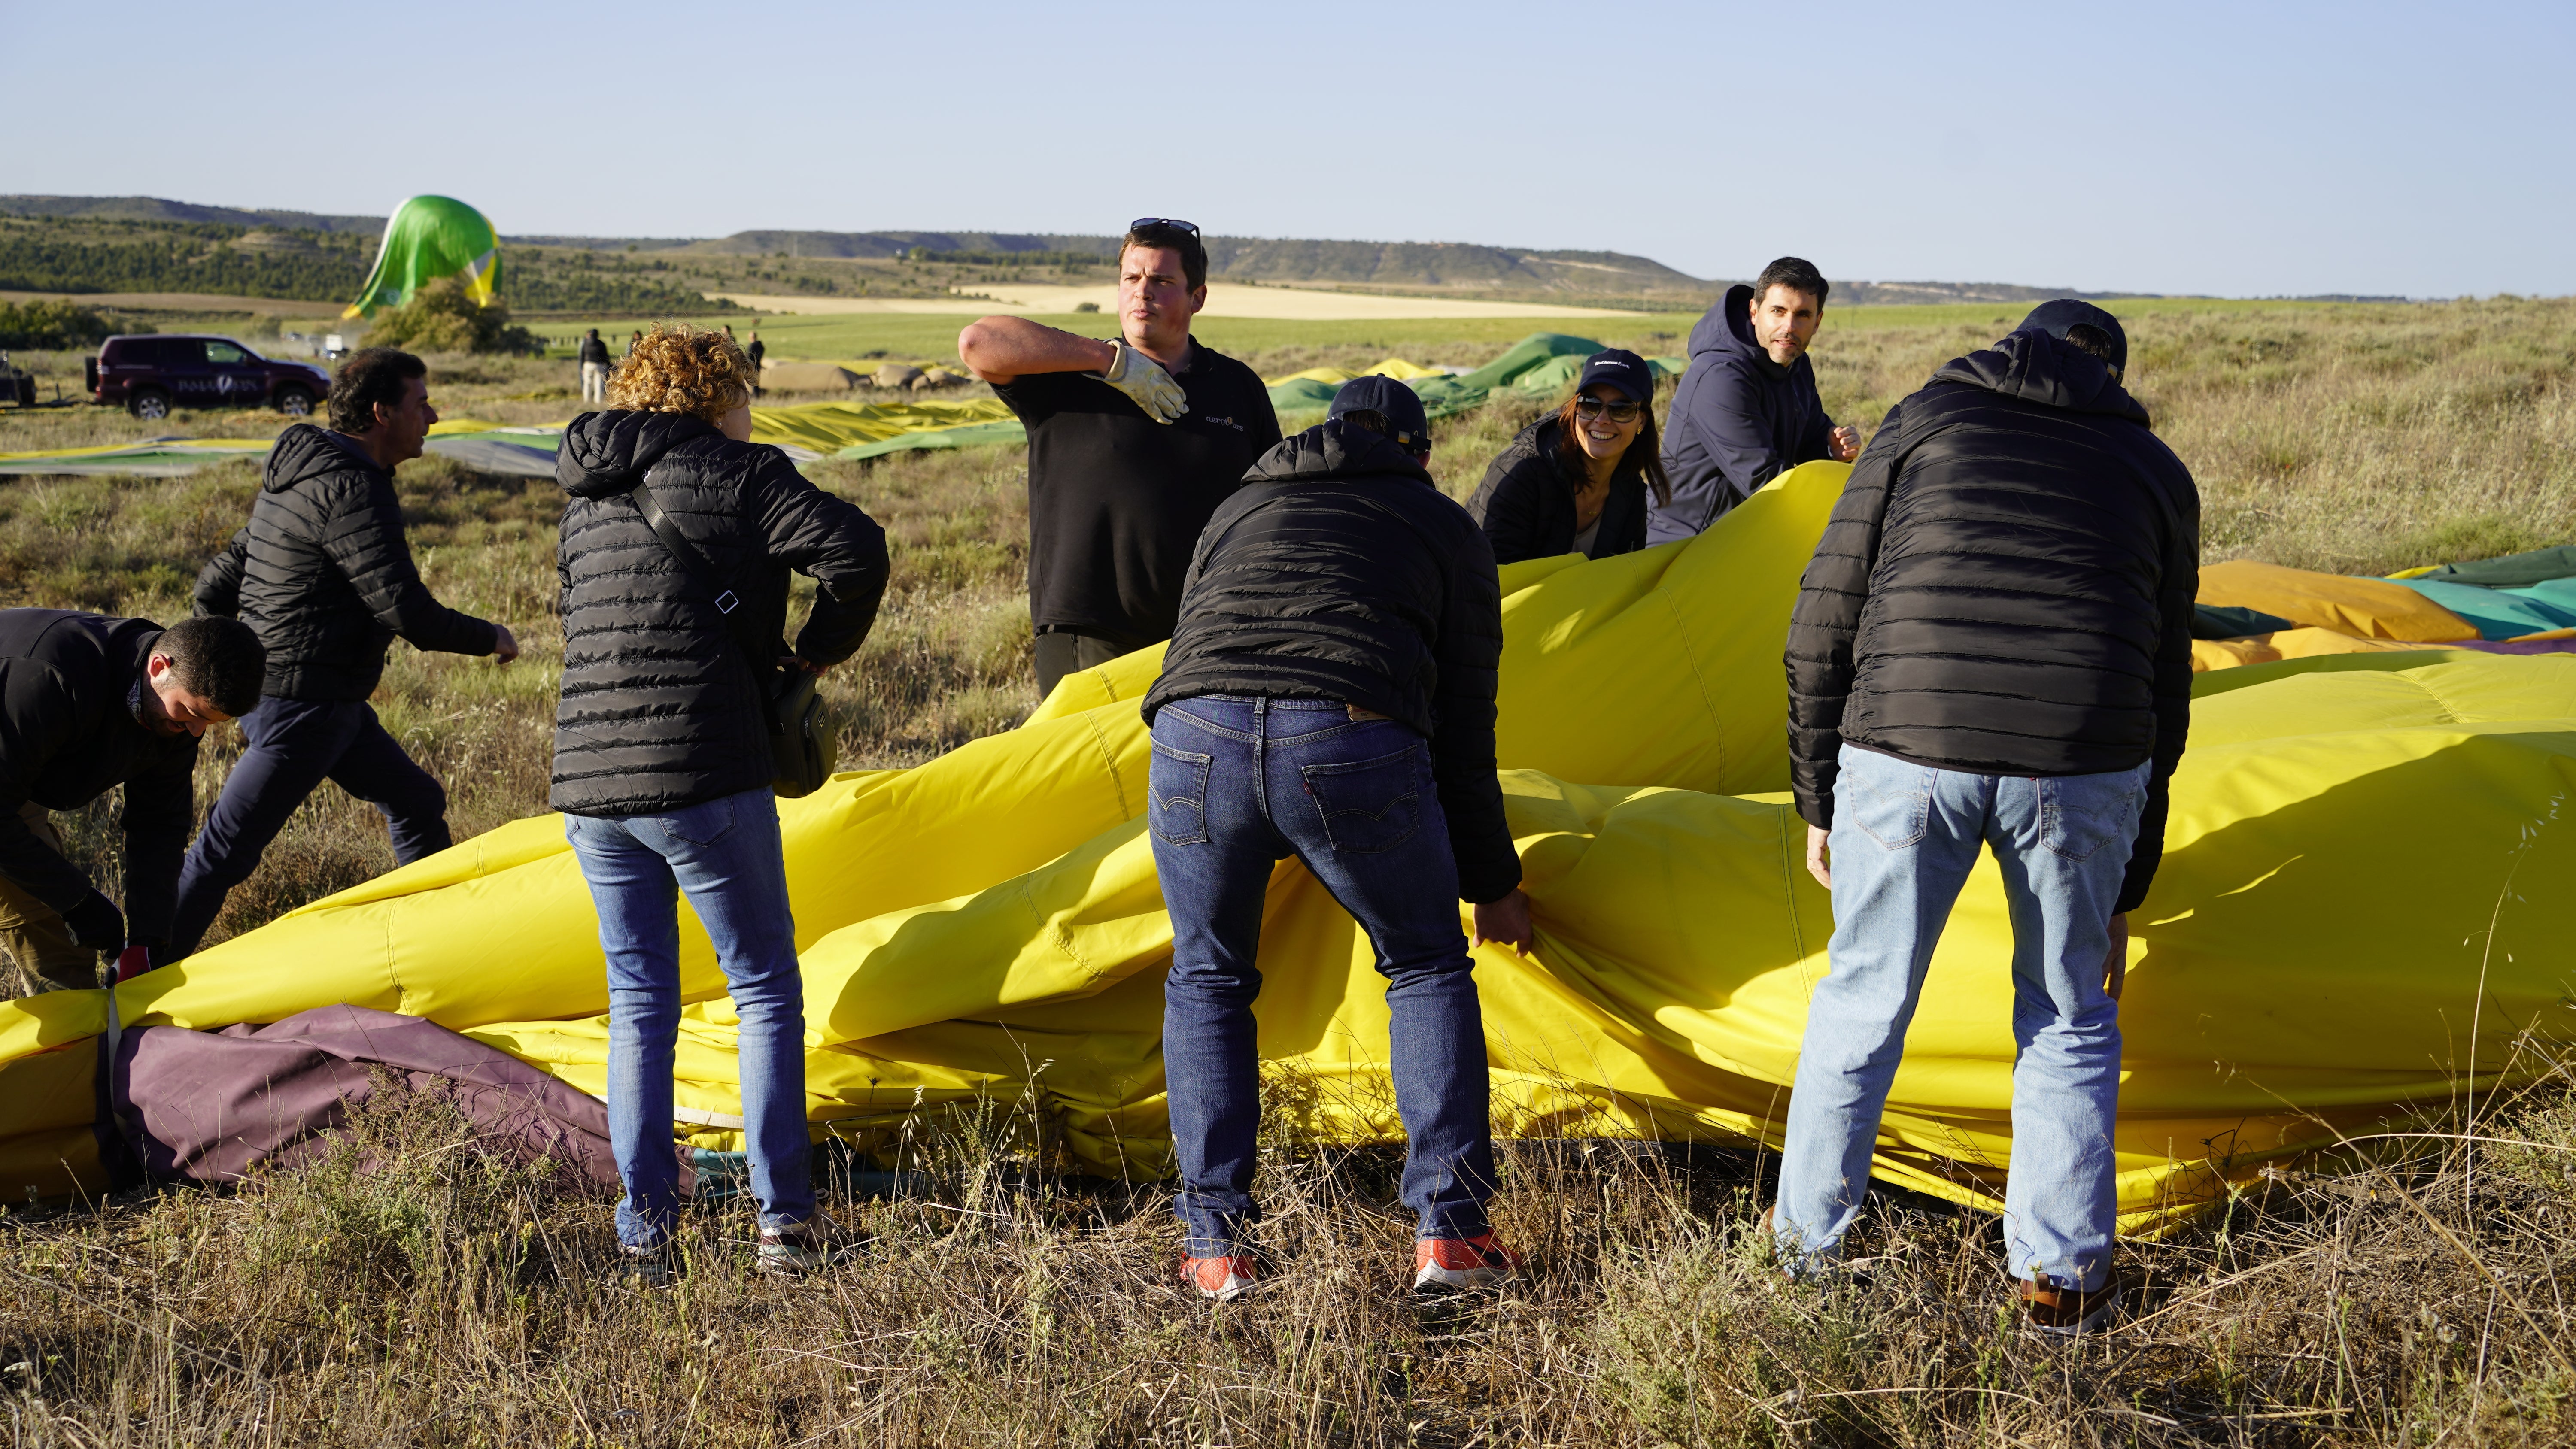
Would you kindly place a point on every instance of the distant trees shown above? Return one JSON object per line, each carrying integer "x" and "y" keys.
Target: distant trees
{"x": 441, "y": 318}
{"x": 52, "y": 325}
{"x": 175, "y": 259}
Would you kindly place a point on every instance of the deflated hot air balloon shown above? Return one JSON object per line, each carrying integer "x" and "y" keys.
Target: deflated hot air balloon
{"x": 430, "y": 237}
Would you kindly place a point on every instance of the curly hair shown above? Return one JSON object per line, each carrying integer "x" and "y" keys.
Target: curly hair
{"x": 679, "y": 369}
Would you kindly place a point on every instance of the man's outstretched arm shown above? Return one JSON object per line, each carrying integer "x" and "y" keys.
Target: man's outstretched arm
{"x": 1004, "y": 349}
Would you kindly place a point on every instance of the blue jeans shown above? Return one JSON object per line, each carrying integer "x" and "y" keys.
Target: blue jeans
{"x": 295, "y": 745}
{"x": 1235, "y": 785}
{"x": 1904, "y": 838}
{"x": 726, "y": 854}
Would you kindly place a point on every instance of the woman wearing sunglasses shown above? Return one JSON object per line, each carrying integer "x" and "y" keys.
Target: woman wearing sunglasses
{"x": 1575, "y": 481}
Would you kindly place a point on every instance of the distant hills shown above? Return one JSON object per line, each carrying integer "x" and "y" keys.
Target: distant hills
{"x": 1462, "y": 268}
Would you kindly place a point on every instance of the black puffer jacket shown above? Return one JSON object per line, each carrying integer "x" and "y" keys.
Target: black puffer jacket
{"x": 322, "y": 574}
{"x": 72, "y": 728}
{"x": 2005, "y": 588}
{"x": 1526, "y": 503}
{"x": 660, "y": 708}
{"x": 1339, "y": 571}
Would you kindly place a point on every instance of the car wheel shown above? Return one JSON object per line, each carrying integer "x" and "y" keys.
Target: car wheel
{"x": 149, "y": 403}
{"x": 295, "y": 402}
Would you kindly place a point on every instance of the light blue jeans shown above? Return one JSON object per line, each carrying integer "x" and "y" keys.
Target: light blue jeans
{"x": 1904, "y": 838}
{"x": 726, "y": 855}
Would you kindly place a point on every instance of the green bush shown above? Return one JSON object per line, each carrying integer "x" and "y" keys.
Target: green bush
{"x": 50, "y": 325}
{"x": 442, "y": 318}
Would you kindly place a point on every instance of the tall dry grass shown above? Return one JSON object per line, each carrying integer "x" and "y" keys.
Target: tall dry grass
{"x": 405, "y": 1289}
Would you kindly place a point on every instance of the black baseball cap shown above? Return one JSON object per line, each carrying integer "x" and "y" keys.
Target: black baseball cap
{"x": 1621, "y": 369}
{"x": 1401, "y": 406}
{"x": 2055, "y": 318}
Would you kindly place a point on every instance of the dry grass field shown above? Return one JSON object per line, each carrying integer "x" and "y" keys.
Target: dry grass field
{"x": 402, "y": 1292}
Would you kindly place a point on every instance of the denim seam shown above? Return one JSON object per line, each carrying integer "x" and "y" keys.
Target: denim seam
{"x": 1212, "y": 727}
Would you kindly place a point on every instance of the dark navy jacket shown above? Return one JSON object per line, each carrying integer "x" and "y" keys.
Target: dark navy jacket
{"x": 1738, "y": 421}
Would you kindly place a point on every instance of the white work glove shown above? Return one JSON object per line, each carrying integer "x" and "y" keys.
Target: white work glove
{"x": 1143, "y": 379}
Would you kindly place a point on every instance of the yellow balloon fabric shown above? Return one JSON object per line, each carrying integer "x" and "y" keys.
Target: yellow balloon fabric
{"x": 2335, "y": 938}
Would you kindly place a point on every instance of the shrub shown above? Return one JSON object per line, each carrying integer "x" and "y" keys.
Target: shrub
{"x": 1086, "y": 306}
{"x": 442, "y": 318}
{"x": 50, "y": 325}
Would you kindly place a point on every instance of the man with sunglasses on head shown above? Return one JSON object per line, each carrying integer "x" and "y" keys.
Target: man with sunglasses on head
{"x": 1747, "y": 411}
{"x": 1132, "y": 445}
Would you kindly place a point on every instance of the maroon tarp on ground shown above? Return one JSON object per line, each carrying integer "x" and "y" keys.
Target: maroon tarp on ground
{"x": 206, "y": 1106}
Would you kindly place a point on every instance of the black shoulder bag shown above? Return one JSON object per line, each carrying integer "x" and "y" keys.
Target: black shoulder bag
{"x": 801, "y": 747}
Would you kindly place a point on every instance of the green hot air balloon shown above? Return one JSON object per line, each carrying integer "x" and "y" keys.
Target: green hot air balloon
{"x": 428, "y": 238}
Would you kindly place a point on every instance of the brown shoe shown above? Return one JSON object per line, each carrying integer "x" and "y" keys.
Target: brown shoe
{"x": 2064, "y": 1312}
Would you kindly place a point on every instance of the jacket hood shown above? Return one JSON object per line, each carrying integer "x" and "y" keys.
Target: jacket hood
{"x": 608, "y": 452}
{"x": 305, "y": 452}
{"x": 1726, "y": 330}
{"x": 1333, "y": 450}
{"x": 2038, "y": 368}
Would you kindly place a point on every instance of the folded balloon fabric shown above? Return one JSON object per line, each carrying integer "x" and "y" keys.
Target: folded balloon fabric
{"x": 2347, "y": 928}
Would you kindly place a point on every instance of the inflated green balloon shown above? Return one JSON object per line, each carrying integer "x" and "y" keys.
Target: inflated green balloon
{"x": 430, "y": 237}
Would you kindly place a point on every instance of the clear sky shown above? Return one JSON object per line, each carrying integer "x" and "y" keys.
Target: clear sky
{"x": 2238, "y": 149}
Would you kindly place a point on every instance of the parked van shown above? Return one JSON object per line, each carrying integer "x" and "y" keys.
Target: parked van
{"x": 151, "y": 375}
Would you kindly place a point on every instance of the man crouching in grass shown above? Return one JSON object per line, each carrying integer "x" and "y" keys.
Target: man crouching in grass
{"x": 88, "y": 703}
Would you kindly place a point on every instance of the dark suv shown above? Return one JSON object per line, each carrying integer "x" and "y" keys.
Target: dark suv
{"x": 151, "y": 375}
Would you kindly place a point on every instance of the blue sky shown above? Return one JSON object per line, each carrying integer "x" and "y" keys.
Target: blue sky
{"x": 2240, "y": 150}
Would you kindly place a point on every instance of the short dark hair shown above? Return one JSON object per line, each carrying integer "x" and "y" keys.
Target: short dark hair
{"x": 1164, "y": 236}
{"x": 372, "y": 375}
{"x": 220, "y": 659}
{"x": 1795, "y": 273}
{"x": 2085, "y": 337}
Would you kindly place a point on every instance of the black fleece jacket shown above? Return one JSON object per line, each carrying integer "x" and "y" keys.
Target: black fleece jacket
{"x": 1340, "y": 571}
{"x": 72, "y": 728}
{"x": 1526, "y": 503}
{"x": 660, "y": 708}
{"x": 323, "y": 575}
{"x": 2005, "y": 588}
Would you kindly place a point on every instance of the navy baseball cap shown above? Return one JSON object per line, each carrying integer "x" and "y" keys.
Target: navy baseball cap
{"x": 1400, "y": 405}
{"x": 2054, "y": 318}
{"x": 1621, "y": 369}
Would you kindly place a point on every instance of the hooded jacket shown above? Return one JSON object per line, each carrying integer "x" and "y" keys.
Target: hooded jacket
{"x": 2005, "y": 588}
{"x": 1526, "y": 503}
{"x": 323, "y": 576}
{"x": 72, "y": 728}
{"x": 661, "y": 710}
{"x": 1340, "y": 571}
{"x": 1738, "y": 420}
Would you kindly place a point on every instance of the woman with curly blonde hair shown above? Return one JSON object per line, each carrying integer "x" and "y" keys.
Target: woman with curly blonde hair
{"x": 662, "y": 758}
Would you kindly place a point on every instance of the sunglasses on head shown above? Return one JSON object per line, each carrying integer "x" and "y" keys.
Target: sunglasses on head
{"x": 1588, "y": 407}
{"x": 1142, "y": 222}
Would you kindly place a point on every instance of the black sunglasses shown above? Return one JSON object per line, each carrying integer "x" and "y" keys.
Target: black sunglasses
{"x": 1142, "y": 222}
{"x": 1588, "y": 407}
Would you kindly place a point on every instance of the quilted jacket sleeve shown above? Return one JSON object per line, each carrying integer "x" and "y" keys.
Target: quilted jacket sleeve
{"x": 363, "y": 536}
{"x": 830, "y": 539}
{"x": 219, "y": 582}
{"x": 1469, "y": 654}
{"x": 1827, "y": 616}
{"x": 2180, "y": 586}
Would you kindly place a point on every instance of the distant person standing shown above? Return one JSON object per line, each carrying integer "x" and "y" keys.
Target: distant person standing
{"x": 1577, "y": 480}
{"x": 1132, "y": 445}
{"x": 1992, "y": 651}
{"x": 755, "y": 352}
{"x": 323, "y": 574}
{"x": 594, "y": 368}
{"x": 87, "y": 704}
{"x": 1747, "y": 411}
{"x": 633, "y": 341}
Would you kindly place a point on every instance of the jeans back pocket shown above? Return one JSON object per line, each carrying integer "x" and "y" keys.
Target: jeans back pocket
{"x": 1369, "y": 805}
{"x": 1891, "y": 801}
{"x": 1176, "y": 794}
{"x": 2079, "y": 814}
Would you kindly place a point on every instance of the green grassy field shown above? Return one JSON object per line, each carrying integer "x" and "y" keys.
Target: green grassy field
{"x": 443, "y": 1300}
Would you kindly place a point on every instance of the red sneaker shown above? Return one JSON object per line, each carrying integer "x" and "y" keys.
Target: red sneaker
{"x": 1223, "y": 1279}
{"x": 1477, "y": 1262}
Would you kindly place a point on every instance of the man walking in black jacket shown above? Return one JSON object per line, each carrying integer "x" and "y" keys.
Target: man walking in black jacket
{"x": 1747, "y": 410}
{"x": 88, "y": 703}
{"x": 322, "y": 573}
{"x": 1992, "y": 647}
{"x": 1330, "y": 694}
{"x": 594, "y": 368}
{"x": 1132, "y": 444}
